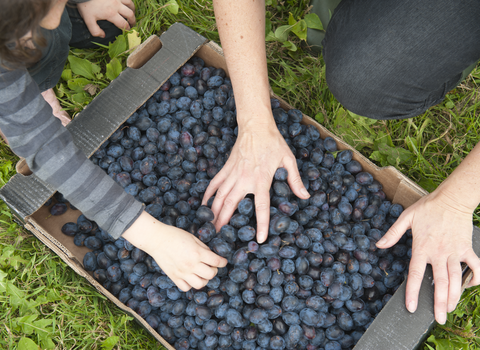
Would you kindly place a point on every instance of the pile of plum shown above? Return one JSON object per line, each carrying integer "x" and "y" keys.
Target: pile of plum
{"x": 316, "y": 283}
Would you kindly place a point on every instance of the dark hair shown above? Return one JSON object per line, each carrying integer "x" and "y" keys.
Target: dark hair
{"x": 18, "y": 18}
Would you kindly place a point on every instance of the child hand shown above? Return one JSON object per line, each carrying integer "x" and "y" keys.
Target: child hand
{"x": 119, "y": 12}
{"x": 184, "y": 258}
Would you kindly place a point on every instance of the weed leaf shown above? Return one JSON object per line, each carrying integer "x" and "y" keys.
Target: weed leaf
{"x": 114, "y": 68}
{"x": 300, "y": 29}
{"x": 81, "y": 98}
{"x": 27, "y": 344}
{"x": 67, "y": 74}
{"x": 268, "y": 26}
{"x": 47, "y": 343}
{"x": 313, "y": 21}
{"x": 133, "y": 39}
{"x": 282, "y": 33}
{"x": 81, "y": 67}
{"x": 110, "y": 342}
{"x": 291, "y": 19}
{"x": 172, "y": 6}
{"x": 270, "y": 37}
{"x": 289, "y": 45}
{"x": 78, "y": 85}
{"x": 117, "y": 47}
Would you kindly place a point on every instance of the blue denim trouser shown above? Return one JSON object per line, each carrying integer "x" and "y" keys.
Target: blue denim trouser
{"x": 72, "y": 31}
{"x": 393, "y": 59}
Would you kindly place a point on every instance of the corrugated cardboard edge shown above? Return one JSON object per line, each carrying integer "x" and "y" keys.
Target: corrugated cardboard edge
{"x": 144, "y": 52}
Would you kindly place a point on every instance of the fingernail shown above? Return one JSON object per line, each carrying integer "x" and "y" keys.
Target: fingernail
{"x": 442, "y": 318}
{"x": 305, "y": 192}
{"x": 411, "y": 307}
{"x": 382, "y": 241}
{"x": 261, "y": 237}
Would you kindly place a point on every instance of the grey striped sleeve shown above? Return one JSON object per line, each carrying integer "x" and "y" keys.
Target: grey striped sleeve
{"x": 35, "y": 134}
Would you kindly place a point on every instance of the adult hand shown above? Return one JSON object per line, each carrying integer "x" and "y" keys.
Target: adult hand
{"x": 184, "y": 258}
{"x": 258, "y": 152}
{"x": 442, "y": 237}
{"x": 119, "y": 12}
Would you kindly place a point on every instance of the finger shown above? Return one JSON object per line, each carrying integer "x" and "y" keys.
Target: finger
{"x": 129, "y": 4}
{"x": 214, "y": 184}
{"x": 396, "y": 231}
{"x": 294, "y": 180}
{"x": 205, "y": 271}
{"x": 94, "y": 28}
{"x": 473, "y": 263}
{"x": 454, "y": 282}
{"x": 210, "y": 258}
{"x": 440, "y": 277}
{"x": 195, "y": 281}
{"x": 128, "y": 14}
{"x": 225, "y": 201}
{"x": 119, "y": 22}
{"x": 414, "y": 280}
{"x": 262, "y": 211}
{"x": 228, "y": 204}
{"x": 181, "y": 284}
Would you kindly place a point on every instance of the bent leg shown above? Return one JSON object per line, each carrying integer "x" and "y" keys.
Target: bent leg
{"x": 394, "y": 59}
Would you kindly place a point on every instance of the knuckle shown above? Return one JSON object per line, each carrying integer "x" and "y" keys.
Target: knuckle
{"x": 440, "y": 304}
{"x": 199, "y": 284}
{"x": 221, "y": 194}
{"x": 454, "y": 296}
{"x": 229, "y": 203}
{"x": 296, "y": 179}
{"x": 262, "y": 206}
{"x": 415, "y": 275}
{"x": 188, "y": 265}
{"x": 394, "y": 232}
{"x": 215, "y": 260}
{"x": 441, "y": 281}
{"x": 455, "y": 275}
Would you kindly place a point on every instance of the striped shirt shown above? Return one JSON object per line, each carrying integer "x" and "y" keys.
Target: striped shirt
{"x": 48, "y": 148}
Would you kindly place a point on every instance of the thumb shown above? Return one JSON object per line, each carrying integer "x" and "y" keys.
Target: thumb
{"x": 393, "y": 235}
{"x": 94, "y": 28}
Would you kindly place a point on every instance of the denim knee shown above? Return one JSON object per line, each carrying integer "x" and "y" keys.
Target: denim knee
{"x": 377, "y": 94}
{"x": 394, "y": 60}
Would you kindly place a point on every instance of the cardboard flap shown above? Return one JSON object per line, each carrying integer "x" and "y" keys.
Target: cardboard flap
{"x": 144, "y": 52}
{"x": 25, "y": 194}
{"x": 95, "y": 124}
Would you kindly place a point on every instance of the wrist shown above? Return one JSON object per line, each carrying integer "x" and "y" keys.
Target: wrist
{"x": 255, "y": 117}
{"x": 451, "y": 200}
{"x": 145, "y": 232}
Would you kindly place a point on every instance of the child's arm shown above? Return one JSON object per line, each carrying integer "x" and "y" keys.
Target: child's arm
{"x": 119, "y": 12}
{"x": 35, "y": 134}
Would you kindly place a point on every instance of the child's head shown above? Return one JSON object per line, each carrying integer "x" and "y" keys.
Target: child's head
{"x": 20, "y": 19}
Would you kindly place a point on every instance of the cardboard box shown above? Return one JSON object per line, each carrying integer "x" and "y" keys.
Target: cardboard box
{"x": 148, "y": 68}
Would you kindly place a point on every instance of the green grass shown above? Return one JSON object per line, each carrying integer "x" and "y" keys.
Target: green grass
{"x": 43, "y": 300}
